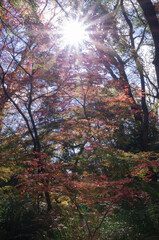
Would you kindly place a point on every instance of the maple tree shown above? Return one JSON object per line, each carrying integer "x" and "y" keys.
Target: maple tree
{"x": 124, "y": 53}
{"x": 69, "y": 113}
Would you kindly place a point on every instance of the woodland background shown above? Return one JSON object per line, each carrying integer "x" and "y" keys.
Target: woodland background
{"x": 79, "y": 144}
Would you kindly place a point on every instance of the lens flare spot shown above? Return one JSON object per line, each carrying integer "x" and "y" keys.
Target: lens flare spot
{"x": 74, "y": 33}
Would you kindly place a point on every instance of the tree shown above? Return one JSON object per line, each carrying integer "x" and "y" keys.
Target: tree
{"x": 150, "y": 13}
{"x": 21, "y": 70}
{"x": 126, "y": 47}
{"x": 69, "y": 110}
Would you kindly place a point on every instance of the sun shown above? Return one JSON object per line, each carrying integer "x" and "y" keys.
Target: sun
{"x": 74, "y": 33}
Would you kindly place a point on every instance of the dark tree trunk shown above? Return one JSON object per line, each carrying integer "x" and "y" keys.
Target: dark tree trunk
{"x": 153, "y": 22}
{"x": 145, "y": 123}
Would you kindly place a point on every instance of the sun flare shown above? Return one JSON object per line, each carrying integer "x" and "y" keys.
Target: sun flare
{"x": 74, "y": 33}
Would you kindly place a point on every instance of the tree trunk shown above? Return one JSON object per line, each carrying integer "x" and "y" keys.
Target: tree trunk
{"x": 152, "y": 20}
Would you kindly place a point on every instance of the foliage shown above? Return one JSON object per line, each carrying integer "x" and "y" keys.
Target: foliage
{"x": 78, "y": 123}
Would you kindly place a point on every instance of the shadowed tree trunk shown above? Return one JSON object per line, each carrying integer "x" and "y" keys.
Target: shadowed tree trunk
{"x": 153, "y": 22}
